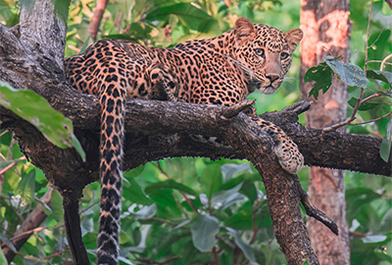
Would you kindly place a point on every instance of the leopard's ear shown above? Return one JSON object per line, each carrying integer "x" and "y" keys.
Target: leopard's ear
{"x": 293, "y": 37}
{"x": 244, "y": 30}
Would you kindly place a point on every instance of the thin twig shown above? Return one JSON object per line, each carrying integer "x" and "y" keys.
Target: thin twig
{"x": 216, "y": 258}
{"x": 254, "y": 216}
{"x": 366, "y": 122}
{"x": 183, "y": 194}
{"x": 378, "y": 37}
{"x": 372, "y": 96}
{"x": 163, "y": 221}
{"x": 88, "y": 207}
{"x": 379, "y": 61}
{"x": 58, "y": 254}
{"x": 356, "y": 234}
{"x": 385, "y": 61}
{"x": 3, "y": 170}
{"x": 28, "y": 233}
{"x": 227, "y": 242}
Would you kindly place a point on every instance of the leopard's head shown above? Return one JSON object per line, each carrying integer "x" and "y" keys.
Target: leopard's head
{"x": 265, "y": 54}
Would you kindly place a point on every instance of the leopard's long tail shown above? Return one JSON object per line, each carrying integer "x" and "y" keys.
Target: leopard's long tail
{"x": 112, "y": 126}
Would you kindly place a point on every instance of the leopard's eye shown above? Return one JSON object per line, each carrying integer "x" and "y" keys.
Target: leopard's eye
{"x": 259, "y": 52}
{"x": 284, "y": 55}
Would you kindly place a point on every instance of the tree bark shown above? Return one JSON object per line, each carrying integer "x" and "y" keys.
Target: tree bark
{"x": 326, "y": 28}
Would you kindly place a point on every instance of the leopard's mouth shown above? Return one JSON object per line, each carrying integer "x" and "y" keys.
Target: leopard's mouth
{"x": 264, "y": 86}
{"x": 268, "y": 89}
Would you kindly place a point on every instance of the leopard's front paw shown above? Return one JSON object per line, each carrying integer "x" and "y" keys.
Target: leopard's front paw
{"x": 290, "y": 158}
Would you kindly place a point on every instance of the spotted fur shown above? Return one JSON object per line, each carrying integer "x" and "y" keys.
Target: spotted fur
{"x": 223, "y": 70}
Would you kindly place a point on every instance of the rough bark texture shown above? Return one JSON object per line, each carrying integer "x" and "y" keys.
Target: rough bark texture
{"x": 157, "y": 129}
{"x": 326, "y": 27}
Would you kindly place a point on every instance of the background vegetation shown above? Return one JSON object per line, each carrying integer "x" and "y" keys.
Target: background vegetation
{"x": 173, "y": 208}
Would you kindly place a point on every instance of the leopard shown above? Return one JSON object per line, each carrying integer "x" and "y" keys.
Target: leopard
{"x": 222, "y": 70}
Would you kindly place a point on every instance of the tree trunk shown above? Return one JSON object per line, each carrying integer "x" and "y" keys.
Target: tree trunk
{"x": 326, "y": 27}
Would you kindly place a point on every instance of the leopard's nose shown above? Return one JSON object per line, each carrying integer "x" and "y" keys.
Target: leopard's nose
{"x": 272, "y": 77}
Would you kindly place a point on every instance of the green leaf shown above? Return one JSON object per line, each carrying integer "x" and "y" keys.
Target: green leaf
{"x": 204, "y": 229}
{"x": 189, "y": 15}
{"x": 380, "y": 75}
{"x": 134, "y": 193}
{"x": 36, "y": 110}
{"x": 242, "y": 219}
{"x": 78, "y": 147}
{"x": 26, "y": 187}
{"x": 170, "y": 184}
{"x": 211, "y": 179}
{"x": 352, "y": 75}
{"x": 385, "y": 149}
{"x": 230, "y": 171}
{"x": 3, "y": 260}
{"x": 249, "y": 190}
{"x": 209, "y": 25}
{"x": 146, "y": 212}
{"x": 56, "y": 202}
{"x": 246, "y": 248}
{"x": 5, "y": 240}
{"x": 134, "y": 172}
{"x": 322, "y": 75}
{"x": 380, "y": 253}
{"x": 61, "y": 8}
{"x": 86, "y": 225}
{"x": 166, "y": 203}
{"x": 306, "y": 262}
{"x": 225, "y": 198}
{"x": 374, "y": 238}
{"x": 379, "y": 40}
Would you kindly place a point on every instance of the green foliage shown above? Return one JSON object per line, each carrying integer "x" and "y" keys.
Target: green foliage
{"x": 188, "y": 15}
{"x": 22, "y": 188}
{"x": 36, "y": 110}
{"x": 380, "y": 75}
{"x": 192, "y": 218}
{"x": 322, "y": 75}
{"x": 204, "y": 229}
